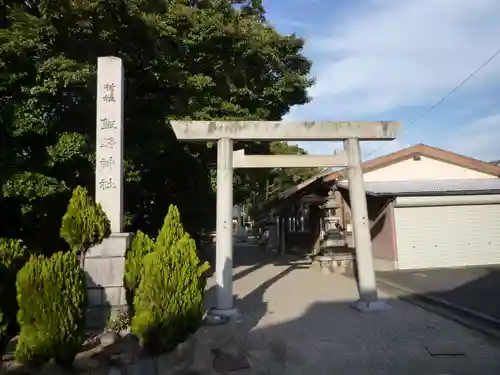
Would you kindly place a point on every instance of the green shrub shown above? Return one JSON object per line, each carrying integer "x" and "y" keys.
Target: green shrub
{"x": 169, "y": 283}
{"x": 170, "y": 233}
{"x": 52, "y": 299}
{"x": 84, "y": 224}
{"x": 13, "y": 255}
{"x": 168, "y": 302}
{"x": 141, "y": 246}
{"x": 172, "y": 230}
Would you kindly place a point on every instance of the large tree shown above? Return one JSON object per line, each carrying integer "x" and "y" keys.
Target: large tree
{"x": 257, "y": 186}
{"x": 184, "y": 59}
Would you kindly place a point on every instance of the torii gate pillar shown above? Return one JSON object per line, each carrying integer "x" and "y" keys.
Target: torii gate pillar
{"x": 225, "y": 132}
{"x": 224, "y": 231}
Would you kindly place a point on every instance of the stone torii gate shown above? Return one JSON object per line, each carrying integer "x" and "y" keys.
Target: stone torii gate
{"x": 225, "y": 132}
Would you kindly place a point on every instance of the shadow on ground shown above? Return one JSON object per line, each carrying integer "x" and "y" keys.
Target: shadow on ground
{"x": 294, "y": 320}
{"x": 324, "y": 335}
{"x": 474, "y": 288}
{"x": 251, "y": 256}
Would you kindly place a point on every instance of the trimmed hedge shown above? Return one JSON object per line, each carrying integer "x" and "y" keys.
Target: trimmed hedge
{"x": 52, "y": 299}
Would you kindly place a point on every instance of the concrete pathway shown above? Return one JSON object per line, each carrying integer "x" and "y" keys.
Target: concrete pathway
{"x": 297, "y": 321}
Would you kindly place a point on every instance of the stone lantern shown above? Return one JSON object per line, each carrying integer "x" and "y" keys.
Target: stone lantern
{"x": 333, "y": 234}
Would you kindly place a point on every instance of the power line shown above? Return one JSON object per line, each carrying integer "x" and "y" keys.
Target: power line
{"x": 440, "y": 101}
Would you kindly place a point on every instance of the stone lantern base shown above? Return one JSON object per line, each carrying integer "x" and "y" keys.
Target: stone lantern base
{"x": 339, "y": 260}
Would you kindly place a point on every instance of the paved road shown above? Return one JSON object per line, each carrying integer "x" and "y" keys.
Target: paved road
{"x": 475, "y": 288}
{"x": 297, "y": 321}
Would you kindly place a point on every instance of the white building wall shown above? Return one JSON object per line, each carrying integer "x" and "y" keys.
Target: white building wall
{"x": 423, "y": 169}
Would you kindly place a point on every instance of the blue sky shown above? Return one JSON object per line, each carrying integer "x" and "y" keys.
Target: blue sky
{"x": 392, "y": 60}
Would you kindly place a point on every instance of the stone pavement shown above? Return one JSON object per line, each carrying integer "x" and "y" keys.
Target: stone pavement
{"x": 295, "y": 320}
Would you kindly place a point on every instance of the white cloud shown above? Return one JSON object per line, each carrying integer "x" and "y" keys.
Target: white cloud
{"x": 480, "y": 138}
{"x": 387, "y": 56}
{"x": 404, "y": 53}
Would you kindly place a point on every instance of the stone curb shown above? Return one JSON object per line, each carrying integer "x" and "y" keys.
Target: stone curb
{"x": 462, "y": 315}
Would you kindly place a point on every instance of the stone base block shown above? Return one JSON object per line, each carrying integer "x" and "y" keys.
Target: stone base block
{"x": 218, "y": 316}
{"x": 371, "y": 306}
{"x": 104, "y": 268}
{"x": 98, "y": 317}
{"x": 224, "y": 312}
{"x": 343, "y": 266}
{"x": 325, "y": 264}
{"x": 110, "y": 295}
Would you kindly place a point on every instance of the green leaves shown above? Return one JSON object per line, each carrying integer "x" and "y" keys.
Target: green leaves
{"x": 32, "y": 186}
{"x": 69, "y": 146}
{"x": 141, "y": 246}
{"x": 11, "y": 250}
{"x": 256, "y": 186}
{"x": 13, "y": 255}
{"x": 285, "y": 178}
{"x": 197, "y": 60}
{"x": 168, "y": 300}
{"x": 52, "y": 299}
{"x": 85, "y": 224}
{"x": 172, "y": 230}
{"x": 171, "y": 233}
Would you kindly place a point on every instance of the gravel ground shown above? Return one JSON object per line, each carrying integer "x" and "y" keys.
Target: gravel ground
{"x": 295, "y": 320}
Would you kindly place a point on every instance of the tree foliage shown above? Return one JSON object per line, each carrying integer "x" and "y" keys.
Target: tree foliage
{"x": 260, "y": 185}
{"x": 184, "y": 59}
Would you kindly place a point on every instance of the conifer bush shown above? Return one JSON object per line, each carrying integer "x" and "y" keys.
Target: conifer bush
{"x": 51, "y": 292}
{"x": 171, "y": 232}
{"x": 168, "y": 301}
{"x": 142, "y": 245}
{"x": 84, "y": 224}
{"x": 52, "y": 300}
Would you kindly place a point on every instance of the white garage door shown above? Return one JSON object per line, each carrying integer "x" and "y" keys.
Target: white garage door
{"x": 447, "y": 236}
